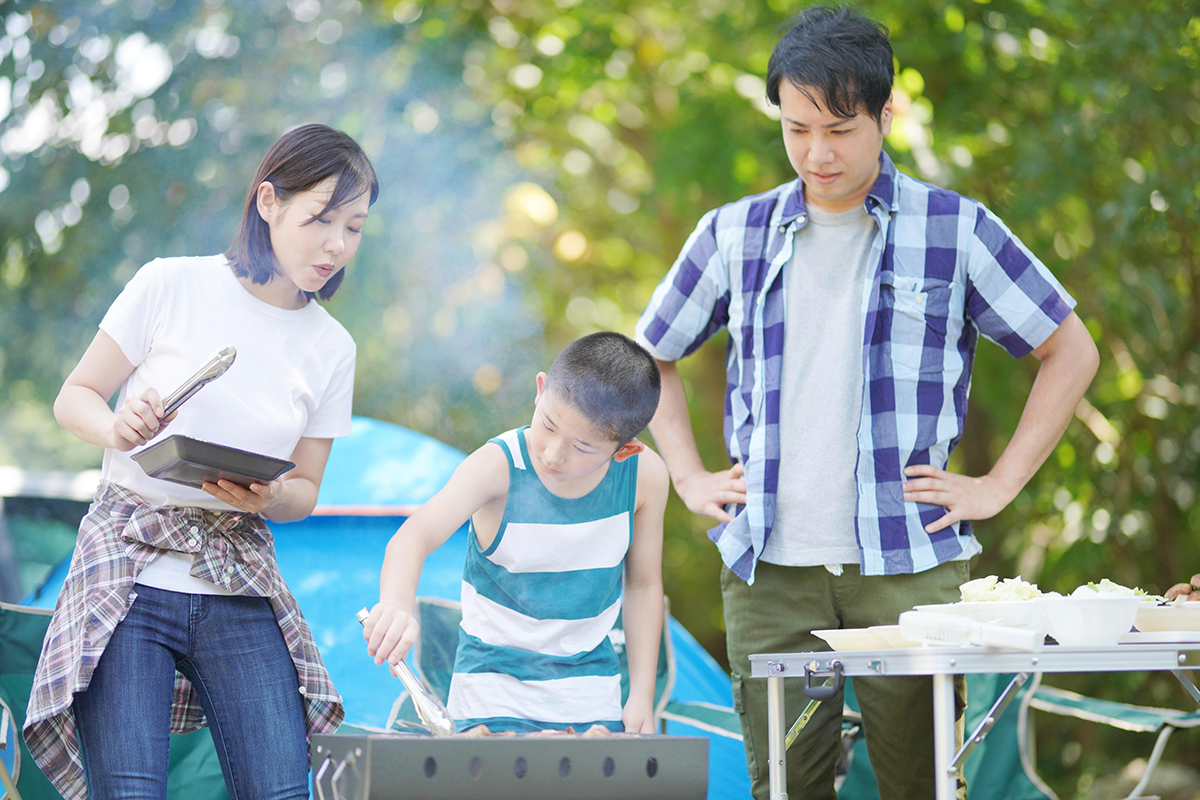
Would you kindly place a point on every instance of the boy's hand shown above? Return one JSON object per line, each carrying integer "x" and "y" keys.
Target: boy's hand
{"x": 638, "y": 716}
{"x": 390, "y": 632}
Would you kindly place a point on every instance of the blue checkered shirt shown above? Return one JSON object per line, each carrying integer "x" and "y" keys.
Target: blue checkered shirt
{"x": 943, "y": 270}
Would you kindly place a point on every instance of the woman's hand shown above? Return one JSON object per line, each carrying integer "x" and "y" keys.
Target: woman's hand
{"x": 137, "y": 421}
{"x": 253, "y": 499}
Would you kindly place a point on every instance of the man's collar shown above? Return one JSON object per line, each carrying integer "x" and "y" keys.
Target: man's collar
{"x": 883, "y": 192}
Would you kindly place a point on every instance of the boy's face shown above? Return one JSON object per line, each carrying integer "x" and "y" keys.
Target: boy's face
{"x": 837, "y": 158}
{"x": 564, "y": 445}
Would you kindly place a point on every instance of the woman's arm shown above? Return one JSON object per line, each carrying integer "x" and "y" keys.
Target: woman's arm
{"x": 82, "y": 404}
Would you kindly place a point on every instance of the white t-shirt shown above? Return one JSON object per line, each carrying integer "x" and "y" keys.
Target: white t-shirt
{"x": 293, "y": 375}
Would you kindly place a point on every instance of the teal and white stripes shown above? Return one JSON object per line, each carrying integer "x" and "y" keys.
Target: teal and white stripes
{"x": 539, "y": 603}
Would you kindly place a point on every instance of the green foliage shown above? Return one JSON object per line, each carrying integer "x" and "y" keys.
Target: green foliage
{"x": 543, "y": 163}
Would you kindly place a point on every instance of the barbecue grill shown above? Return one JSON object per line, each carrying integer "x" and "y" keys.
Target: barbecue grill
{"x": 521, "y": 767}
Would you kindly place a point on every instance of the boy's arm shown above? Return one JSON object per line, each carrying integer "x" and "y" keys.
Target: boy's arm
{"x": 643, "y": 601}
{"x": 391, "y": 629}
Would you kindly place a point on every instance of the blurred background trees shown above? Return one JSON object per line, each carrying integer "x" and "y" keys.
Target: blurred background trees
{"x": 543, "y": 162}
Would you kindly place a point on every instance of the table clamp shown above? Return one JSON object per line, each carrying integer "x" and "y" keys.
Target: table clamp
{"x": 831, "y": 669}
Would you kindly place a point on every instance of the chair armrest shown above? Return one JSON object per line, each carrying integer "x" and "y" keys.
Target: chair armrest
{"x": 720, "y": 720}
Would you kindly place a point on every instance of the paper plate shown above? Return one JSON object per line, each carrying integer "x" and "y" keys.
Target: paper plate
{"x": 853, "y": 638}
{"x": 892, "y": 634}
{"x": 1161, "y": 637}
{"x": 1183, "y": 617}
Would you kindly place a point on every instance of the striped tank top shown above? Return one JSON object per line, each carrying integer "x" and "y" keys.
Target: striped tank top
{"x": 538, "y": 604}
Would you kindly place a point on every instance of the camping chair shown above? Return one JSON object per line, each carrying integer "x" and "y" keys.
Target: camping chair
{"x": 21, "y": 632}
{"x": 1125, "y": 716}
{"x": 433, "y": 659}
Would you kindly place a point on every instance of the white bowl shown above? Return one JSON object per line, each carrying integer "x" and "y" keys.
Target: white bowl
{"x": 1081, "y": 621}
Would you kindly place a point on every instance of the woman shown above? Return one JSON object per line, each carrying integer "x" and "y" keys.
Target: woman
{"x": 173, "y": 614}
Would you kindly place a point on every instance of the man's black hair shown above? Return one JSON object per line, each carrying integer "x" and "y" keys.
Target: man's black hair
{"x": 611, "y": 379}
{"x": 837, "y": 57}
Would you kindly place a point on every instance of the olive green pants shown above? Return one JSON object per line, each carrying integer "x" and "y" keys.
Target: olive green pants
{"x": 777, "y": 615}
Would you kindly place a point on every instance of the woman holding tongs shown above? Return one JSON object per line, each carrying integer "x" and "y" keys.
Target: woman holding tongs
{"x": 174, "y": 614}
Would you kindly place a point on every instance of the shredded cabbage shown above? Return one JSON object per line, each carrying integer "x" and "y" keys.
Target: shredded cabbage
{"x": 1107, "y": 587}
{"x": 992, "y": 589}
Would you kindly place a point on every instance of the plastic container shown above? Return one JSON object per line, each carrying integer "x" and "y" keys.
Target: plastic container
{"x": 1003, "y": 612}
{"x": 929, "y": 627}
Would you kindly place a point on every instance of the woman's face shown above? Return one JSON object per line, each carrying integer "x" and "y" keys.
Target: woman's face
{"x": 310, "y": 246}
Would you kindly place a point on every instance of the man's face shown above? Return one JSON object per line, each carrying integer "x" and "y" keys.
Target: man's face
{"x": 837, "y": 158}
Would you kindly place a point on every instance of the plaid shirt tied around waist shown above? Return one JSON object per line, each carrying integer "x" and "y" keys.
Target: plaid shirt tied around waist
{"x": 118, "y": 537}
{"x": 942, "y": 270}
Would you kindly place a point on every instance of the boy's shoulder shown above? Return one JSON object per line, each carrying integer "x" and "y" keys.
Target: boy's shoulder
{"x": 486, "y": 467}
{"x": 509, "y": 445}
{"x": 652, "y": 477}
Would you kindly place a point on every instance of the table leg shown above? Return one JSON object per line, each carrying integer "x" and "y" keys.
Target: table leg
{"x": 776, "y": 750}
{"x": 944, "y": 743}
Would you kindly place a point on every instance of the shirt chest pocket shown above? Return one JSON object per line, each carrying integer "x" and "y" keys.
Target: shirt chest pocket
{"x": 926, "y": 315}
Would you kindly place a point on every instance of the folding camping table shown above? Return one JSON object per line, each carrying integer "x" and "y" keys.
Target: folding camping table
{"x": 942, "y": 663}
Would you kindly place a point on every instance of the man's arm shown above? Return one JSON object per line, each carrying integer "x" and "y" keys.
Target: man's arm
{"x": 643, "y": 594}
{"x": 702, "y": 492}
{"x": 391, "y": 629}
{"x": 1069, "y": 361}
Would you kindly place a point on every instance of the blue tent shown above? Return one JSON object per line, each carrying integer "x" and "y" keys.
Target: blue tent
{"x": 375, "y": 477}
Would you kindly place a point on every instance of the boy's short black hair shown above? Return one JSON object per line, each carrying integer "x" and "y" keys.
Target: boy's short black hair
{"x": 844, "y": 57}
{"x": 611, "y": 379}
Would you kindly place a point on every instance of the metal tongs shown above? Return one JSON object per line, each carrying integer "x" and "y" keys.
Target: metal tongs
{"x": 208, "y": 373}
{"x": 433, "y": 714}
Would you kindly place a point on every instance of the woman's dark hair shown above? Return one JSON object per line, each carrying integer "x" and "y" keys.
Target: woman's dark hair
{"x": 298, "y": 161}
{"x": 839, "y": 54}
{"x": 611, "y": 379}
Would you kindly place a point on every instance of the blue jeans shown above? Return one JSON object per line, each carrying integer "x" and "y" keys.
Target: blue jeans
{"x": 232, "y": 651}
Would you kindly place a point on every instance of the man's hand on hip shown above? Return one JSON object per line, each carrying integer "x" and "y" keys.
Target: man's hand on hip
{"x": 963, "y": 497}
{"x": 706, "y": 493}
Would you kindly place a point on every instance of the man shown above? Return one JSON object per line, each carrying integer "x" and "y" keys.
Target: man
{"x": 853, "y": 298}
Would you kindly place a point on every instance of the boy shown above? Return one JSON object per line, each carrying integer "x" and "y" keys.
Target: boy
{"x": 558, "y": 509}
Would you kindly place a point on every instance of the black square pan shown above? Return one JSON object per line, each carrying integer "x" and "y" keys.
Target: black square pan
{"x": 191, "y": 462}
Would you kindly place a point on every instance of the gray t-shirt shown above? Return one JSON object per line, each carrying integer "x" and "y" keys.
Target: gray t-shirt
{"x": 821, "y": 393}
